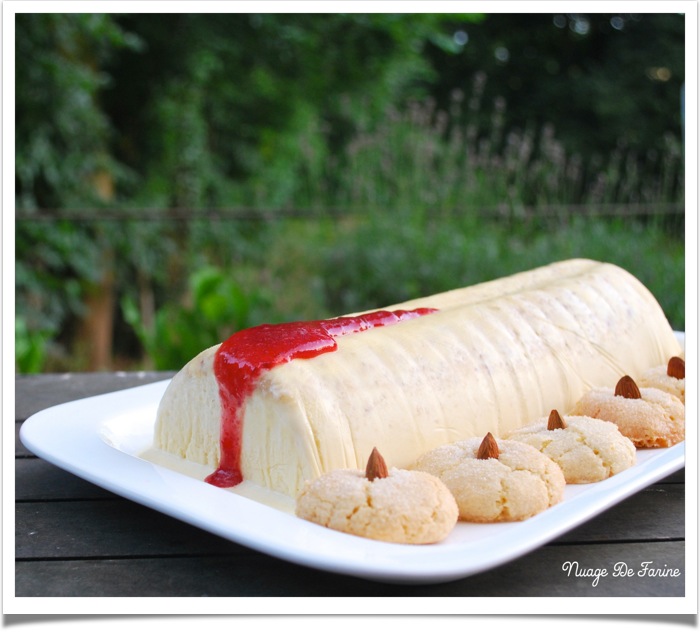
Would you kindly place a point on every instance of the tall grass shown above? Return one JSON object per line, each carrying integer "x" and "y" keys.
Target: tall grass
{"x": 426, "y": 162}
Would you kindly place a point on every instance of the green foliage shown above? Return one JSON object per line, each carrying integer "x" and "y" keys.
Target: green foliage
{"x": 216, "y": 307}
{"x": 62, "y": 133}
{"x": 62, "y": 147}
{"x": 428, "y": 161}
{"x": 259, "y": 100}
{"x": 442, "y": 139}
{"x": 595, "y": 77}
{"x": 53, "y": 263}
{"x": 30, "y": 347}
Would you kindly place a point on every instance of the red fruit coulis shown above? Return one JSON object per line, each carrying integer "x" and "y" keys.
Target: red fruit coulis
{"x": 243, "y": 357}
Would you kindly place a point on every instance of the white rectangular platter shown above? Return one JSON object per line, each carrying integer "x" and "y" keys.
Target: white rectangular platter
{"x": 102, "y": 438}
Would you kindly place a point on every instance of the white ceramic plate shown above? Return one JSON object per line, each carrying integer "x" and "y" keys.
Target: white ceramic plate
{"x": 100, "y": 439}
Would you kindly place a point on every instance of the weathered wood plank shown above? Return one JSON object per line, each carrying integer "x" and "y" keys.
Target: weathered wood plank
{"x": 106, "y": 529}
{"x": 657, "y": 512}
{"x": 20, "y": 449}
{"x": 539, "y": 574}
{"x": 34, "y": 393}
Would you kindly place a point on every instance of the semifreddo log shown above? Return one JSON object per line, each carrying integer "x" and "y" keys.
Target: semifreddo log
{"x": 486, "y": 358}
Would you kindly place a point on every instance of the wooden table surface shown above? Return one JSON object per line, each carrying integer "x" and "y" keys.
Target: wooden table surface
{"x": 76, "y": 539}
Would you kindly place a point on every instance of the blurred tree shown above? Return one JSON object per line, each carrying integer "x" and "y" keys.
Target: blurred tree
{"x": 63, "y": 160}
{"x": 192, "y": 111}
{"x": 216, "y": 99}
{"x": 606, "y": 82}
{"x": 62, "y": 131}
{"x": 176, "y": 110}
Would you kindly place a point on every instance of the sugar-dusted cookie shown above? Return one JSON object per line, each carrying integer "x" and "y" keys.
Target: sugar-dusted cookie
{"x": 586, "y": 449}
{"x": 651, "y": 418}
{"x": 669, "y": 378}
{"x": 495, "y": 481}
{"x": 394, "y": 505}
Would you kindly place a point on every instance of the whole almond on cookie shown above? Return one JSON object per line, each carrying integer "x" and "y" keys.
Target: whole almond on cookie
{"x": 676, "y": 368}
{"x": 627, "y": 388}
{"x": 586, "y": 449}
{"x": 650, "y": 417}
{"x": 400, "y": 506}
{"x": 488, "y": 448}
{"x": 517, "y": 484}
{"x": 669, "y": 378}
{"x": 376, "y": 466}
{"x": 555, "y": 421}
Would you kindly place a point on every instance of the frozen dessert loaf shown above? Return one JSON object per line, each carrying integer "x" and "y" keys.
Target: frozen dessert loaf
{"x": 277, "y": 405}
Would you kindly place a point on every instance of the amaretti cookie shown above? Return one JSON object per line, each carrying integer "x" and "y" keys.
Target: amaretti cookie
{"x": 394, "y": 505}
{"x": 651, "y": 418}
{"x": 278, "y": 404}
{"x": 669, "y": 377}
{"x": 495, "y": 481}
{"x": 587, "y": 449}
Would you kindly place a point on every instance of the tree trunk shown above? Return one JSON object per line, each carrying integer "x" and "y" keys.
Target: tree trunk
{"x": 97, "y": 328}
{"x": 98, "y": 324}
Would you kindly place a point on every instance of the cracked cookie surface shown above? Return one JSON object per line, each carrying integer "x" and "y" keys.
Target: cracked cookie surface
{"x": 658, "y": 378}
{"x": 404, "y": 507}
{"x": 521, "y": 482}
{"x": 586, "y": 449}
{"x": 654, "y": 420}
